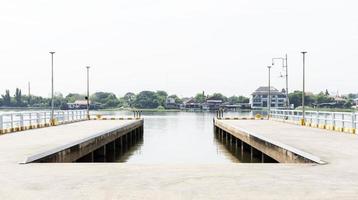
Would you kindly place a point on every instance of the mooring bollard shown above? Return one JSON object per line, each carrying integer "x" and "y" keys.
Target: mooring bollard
{"x": 220, "y": 114}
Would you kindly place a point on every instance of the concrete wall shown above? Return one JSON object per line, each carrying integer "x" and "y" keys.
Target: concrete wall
{"x": 98, "y": 146}
{"x": 276, "y": 152}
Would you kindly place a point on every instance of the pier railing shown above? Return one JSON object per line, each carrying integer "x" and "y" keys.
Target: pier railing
{"x": 10, "y": 122}
{"x": 339, "y": 121}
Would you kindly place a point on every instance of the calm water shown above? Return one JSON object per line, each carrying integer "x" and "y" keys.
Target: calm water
{"x": 178, "y": 137}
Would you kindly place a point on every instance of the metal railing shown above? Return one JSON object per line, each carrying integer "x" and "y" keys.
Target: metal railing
{"x": 21, "y": 120}
{"x": 335, "y": 120}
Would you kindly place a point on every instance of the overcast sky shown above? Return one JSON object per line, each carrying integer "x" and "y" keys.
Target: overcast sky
{"x": 183, "y": 46}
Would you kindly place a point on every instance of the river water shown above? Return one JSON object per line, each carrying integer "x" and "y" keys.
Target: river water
{"x": 179, "y": 138}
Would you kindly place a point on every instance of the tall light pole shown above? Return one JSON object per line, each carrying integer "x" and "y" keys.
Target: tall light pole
{"x": 285, "y": 66}
{"x": 52, "y": 121}
{"x": 269, "y": 92}
{"x": 29, "y": 93}
{"x": 88, "y": 104}
{"x": 303, "y": 121}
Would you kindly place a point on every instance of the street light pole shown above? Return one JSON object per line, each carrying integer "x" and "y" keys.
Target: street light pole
{"x": 287, "y": 98}
{"x": 88, "y": 104}
{"x": 52, "y": 121}
{"x": 269, "y": 92}
{"x": 284, "y": 65}
{"x": 303, "y": 120}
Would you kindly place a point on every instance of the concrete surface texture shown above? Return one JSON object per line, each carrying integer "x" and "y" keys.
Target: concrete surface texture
{"x": 336, "y": 180}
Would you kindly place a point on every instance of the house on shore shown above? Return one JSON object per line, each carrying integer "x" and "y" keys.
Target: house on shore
{"x": 355, "y": 101}
{"x": 212, "y": 103}
{"x": 191, "y": 104}
{"x": 259, "y": 98}
{"x": 170, "y": 103}
{"x": 80, "y": 105}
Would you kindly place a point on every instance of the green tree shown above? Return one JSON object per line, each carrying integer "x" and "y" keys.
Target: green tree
{"x": 296, "y": 98}
{"x": 200, "y": 97}
{"x": 323, "y": 98}
{"x": 128, "y": 99}
{"x": 72, "y": 97}
{"x": 219, "y": 96}
{"x": 38, "y": 101}
{"x": 177, "y": 99}
{"x": 58, "y": 100}
{"x": 18, "y": 98}
{"x": 327, "y": 93}
{"x": 106, "y": 99}
{"x": 238, "y": 99}
{"x": 6, "y": 98}
{"x": 352, "y": 96}
{"x": 161, "y": 96}
{"x": 348, "y": 103}
{"x": 146, "y": 99}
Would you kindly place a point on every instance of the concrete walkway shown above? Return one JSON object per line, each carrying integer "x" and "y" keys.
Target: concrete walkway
{"x": 336, "y": 180}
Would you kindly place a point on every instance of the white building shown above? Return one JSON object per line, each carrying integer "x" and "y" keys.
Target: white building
{"x": 355, "y": 101}
{"x": 259, "y": 98}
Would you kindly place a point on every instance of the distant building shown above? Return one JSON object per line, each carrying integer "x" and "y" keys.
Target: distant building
{"x": 259, "y": 98}
{"x": 355, "y": 101}
{"x": 191, "y": 104}
{"x": 235, "y": 107}
{"x": 80, "y": 104}
{"x": 170, "y": 103}
{"x": 212, "y": 104}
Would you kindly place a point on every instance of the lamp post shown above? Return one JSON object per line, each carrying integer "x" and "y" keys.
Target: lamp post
{"x": 303, "y": 120}
{"x": 52, "y": 121}
{"x": 87, "y": 97}
{"x": 285, "y": 66}
{"x": 269, "y": 92}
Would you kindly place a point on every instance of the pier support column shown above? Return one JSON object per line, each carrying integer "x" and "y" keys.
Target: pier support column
{"x": 100, "y": 154}
{"x": 121, "y": 145}
{"x": 110, "y": 151}
{"x": 86, "y": 159}
{"x": 251, "y": 154}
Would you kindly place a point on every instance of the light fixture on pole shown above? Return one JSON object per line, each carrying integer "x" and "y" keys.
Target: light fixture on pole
{"x": 303, "y": 120}
{"x": 87, "y": 97}
{"x": 269, "y": 93}
{"x": 52, "y": 120}
{"x": 285, "y": 66}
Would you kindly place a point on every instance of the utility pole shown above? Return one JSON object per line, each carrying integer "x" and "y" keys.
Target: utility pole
{"x": 285, "y": 66}
{"x": 87, "y": 97}
{"x": 269, "y": 93}
{"x": 287, "y": 98}
{"x": 303, "y": 121}
{"x": 52, "y": 121}
{"x": 29, "y": 94}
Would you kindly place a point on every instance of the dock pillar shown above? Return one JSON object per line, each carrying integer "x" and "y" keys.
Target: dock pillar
{"x": 100, "y": 154}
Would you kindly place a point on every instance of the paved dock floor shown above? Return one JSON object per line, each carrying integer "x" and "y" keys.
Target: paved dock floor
{"x": 336, "y": 180}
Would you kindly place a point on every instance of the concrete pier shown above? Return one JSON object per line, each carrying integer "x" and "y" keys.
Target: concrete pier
{"x": 70, "y": 142}
{"x": 337, "y": 178}
{"x": 260, "y": 147}
{"x": 286, "y": 143}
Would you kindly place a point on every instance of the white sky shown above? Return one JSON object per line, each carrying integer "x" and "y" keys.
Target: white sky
{"x": 182, "y": 46}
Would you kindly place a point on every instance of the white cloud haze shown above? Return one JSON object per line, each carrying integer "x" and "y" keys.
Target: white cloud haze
{"x": 182, "y": 46}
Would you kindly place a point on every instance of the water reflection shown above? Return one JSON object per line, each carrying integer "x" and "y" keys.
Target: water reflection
{"x": 180, "y": 138}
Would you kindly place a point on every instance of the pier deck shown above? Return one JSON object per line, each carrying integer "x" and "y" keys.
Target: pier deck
{"x": 326, "y": 146}
{"x": 338, "y": 179}
{"x": 19, "y": 147}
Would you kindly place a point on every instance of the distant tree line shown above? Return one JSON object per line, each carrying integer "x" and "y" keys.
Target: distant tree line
{"x": 141, "y": 100}
{"x": 322, "y": 99}
{"x": 156, "y": 99}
